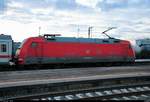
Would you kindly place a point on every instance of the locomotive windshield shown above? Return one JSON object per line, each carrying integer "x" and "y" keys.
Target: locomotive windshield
{"x": 22, "y": 43}
{"x": 18, "y": 50}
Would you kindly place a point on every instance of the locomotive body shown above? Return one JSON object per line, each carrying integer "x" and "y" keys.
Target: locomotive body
{"x": 49, "y": 49}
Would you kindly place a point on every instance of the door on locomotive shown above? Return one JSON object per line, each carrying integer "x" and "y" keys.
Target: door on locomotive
{"x": 36, "y": 52}
{"x": 5, "y": 49}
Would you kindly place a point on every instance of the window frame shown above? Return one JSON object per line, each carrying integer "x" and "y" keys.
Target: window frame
{"x": 3, "y": 48}
{"x": 34, "y": 45}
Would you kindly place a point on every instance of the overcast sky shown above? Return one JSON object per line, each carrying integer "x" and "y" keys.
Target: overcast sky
{"x": 22, "y": 18}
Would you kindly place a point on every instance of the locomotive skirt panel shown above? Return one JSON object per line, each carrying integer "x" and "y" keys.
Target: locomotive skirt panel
{"x": 46, "y": 60}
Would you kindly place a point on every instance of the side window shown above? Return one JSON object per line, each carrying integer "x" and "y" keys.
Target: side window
{"x": 116, "y": 41}
{"x": 34, "y": 44}
{"x": 105, "y": 41}
{"x": 3, "y": 48}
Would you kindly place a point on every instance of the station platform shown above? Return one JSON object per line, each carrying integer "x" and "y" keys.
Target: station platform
{"x": 52, "y": 76}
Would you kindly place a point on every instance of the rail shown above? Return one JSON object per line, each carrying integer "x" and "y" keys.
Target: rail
{"x": 123, "y": 92}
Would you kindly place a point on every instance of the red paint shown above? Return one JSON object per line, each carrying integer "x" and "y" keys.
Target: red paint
{"x": 73, "y": 49}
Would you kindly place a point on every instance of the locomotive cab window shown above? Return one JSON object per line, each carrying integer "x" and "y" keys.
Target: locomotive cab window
{"x": 3, "y": 48}
{"x": 34, "y": 44}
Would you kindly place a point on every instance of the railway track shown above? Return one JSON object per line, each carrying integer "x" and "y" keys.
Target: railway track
{"x": 56, "y": 74}
{"x": 127, "y": 82}
{"x": 124, "y": 92}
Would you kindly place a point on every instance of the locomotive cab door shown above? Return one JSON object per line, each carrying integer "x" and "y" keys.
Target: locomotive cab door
{"x": 36, "y": 51}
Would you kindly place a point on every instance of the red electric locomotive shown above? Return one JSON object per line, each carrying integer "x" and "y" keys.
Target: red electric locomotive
{"x": 52, "y": 49}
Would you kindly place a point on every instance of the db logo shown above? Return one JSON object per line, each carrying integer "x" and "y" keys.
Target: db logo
{"x": 88, "y": 51}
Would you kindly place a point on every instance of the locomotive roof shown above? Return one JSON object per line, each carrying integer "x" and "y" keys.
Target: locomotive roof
{"x": 5, "y": 37}
{"x": 90, "y": 40}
